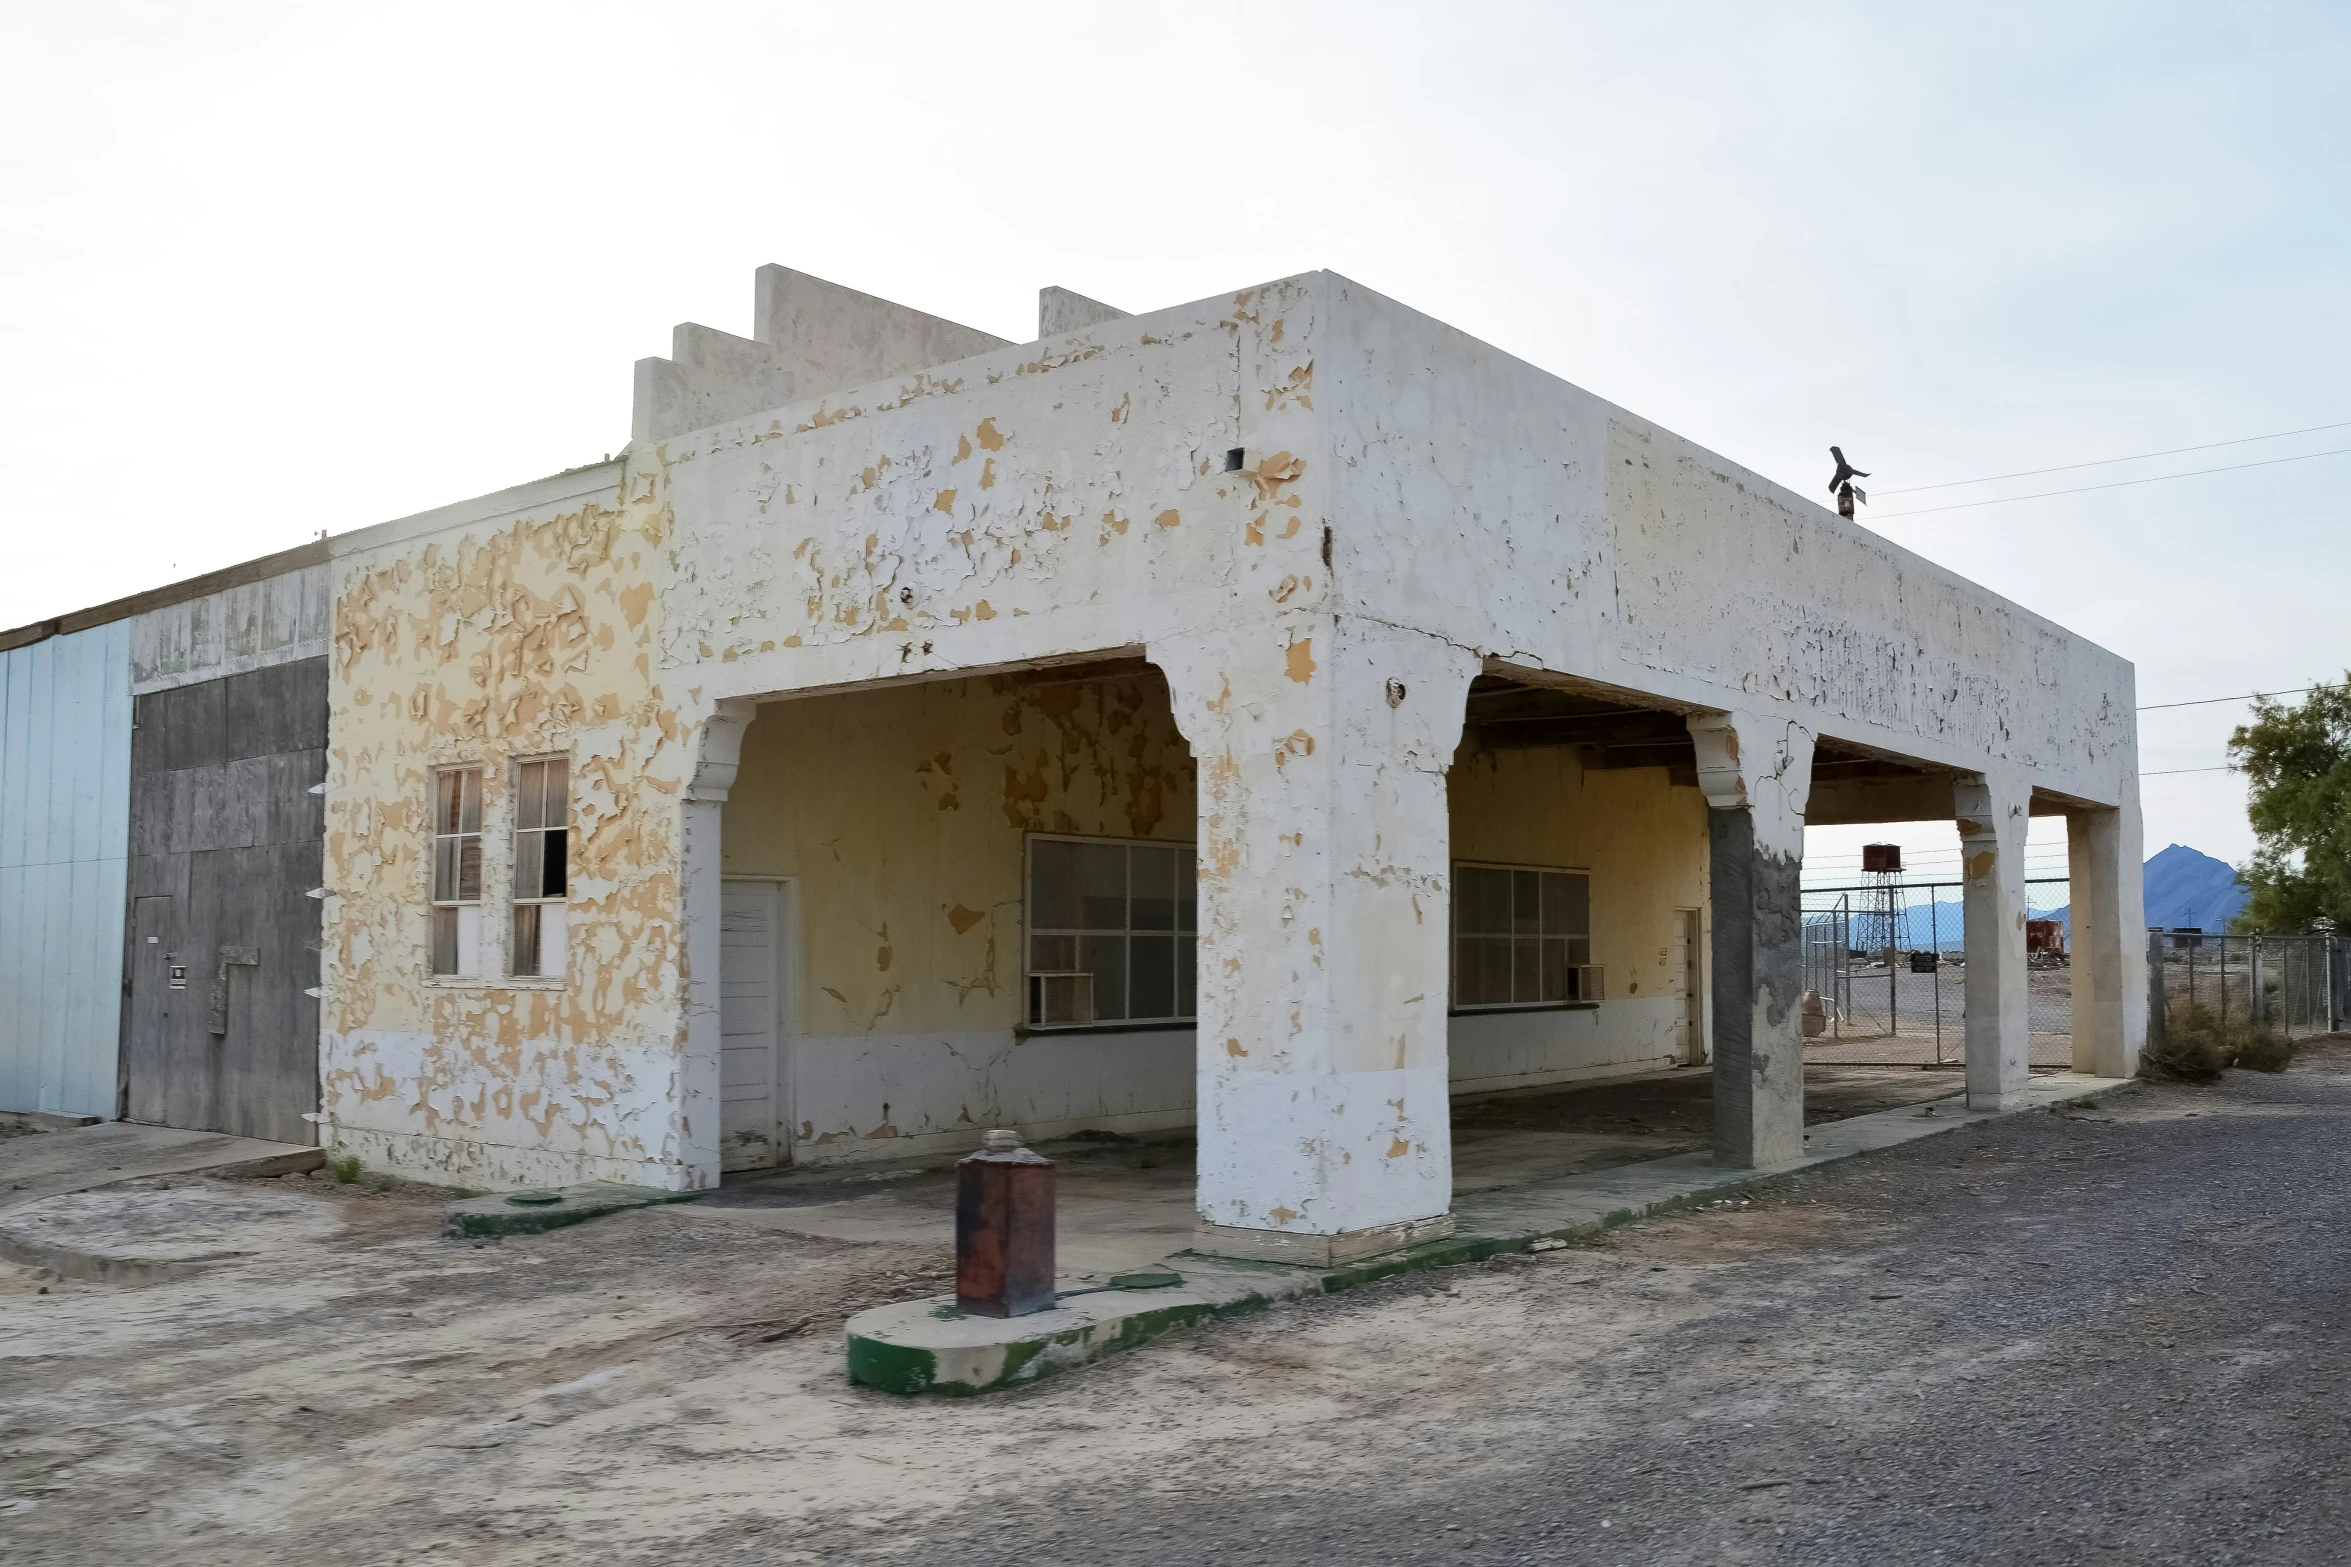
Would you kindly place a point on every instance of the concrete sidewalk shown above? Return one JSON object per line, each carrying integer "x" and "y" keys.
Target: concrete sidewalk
{"x": 34, "y": 1165}
{"x": 929, "y": 1346}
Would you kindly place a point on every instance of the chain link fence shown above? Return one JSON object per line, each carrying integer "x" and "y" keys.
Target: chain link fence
{"x": 2296, "y": 985}
{"x": 1887, "y": 960}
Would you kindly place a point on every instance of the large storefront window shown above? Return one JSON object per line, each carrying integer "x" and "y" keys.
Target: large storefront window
{"x": 1112, "y": 937}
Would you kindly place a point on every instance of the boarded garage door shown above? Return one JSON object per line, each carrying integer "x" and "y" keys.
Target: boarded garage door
{"x": 221, "y": 1033}
{"x": 750, "y": 986}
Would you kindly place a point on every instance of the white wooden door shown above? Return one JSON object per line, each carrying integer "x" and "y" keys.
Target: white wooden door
{"x": 751, "y": 1009}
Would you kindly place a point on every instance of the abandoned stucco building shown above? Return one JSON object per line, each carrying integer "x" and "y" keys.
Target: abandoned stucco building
{"x": 1280, "y": 712}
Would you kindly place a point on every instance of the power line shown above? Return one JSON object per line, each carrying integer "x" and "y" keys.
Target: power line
{"x": 2118, "y": 484}
{"x": 2108, "y": 462}
{"x": 2173, "y": 772}
{"x": 2250, "y": 696}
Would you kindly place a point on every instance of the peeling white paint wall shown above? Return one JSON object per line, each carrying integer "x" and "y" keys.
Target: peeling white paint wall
{"x": 1318, "y": 512}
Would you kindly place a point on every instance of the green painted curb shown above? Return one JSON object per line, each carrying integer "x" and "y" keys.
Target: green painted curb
{"x": 480, "y": 1217}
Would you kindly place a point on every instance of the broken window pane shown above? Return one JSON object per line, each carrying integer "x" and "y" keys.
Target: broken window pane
{"x": 541, "y": 870}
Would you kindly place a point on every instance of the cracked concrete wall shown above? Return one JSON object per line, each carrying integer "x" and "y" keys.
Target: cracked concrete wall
{"x": 478, "y": 644}
{"x": 1299, "y": 465}
{"x": 1307, "y": 462}
{"x": 901, "y": 815}
{"x": 1491, "y": 502}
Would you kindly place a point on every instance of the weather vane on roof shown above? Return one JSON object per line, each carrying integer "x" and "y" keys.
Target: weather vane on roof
{"x": 1842, "y": 485}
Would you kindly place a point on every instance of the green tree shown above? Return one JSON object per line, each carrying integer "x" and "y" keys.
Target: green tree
{"x": 2297, "y": 758}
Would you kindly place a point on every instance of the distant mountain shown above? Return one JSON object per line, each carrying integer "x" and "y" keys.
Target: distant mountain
{"x": 2187, "y": 888}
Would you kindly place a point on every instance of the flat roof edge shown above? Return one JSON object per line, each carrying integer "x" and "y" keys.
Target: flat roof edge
{"x": 584, "y": 480}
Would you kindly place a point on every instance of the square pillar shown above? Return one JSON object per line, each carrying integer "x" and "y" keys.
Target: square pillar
{"x": 1324, "y": 1117}
{"x": 2108, "y": 941}
{"x": 1993, "y": 812}
{"x": 694, "y": 1132}
{"x": 1756, "y": 774}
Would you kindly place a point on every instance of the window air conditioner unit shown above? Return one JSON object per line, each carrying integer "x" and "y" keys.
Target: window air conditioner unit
{"x": 1059, "y": 998}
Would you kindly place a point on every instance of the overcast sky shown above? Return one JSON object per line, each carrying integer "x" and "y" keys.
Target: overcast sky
{"x": 267, "y": 270}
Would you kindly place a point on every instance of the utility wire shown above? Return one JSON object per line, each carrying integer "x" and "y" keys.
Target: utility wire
{"x": 2108, "y": 462}
{"x": 2250, "y": 696}
{"x": 2173, "y": 772}
{"x": 2118, "y": 484}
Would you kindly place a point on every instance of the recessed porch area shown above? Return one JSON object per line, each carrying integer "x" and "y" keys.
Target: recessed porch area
{"x": 1127, "y": 1201}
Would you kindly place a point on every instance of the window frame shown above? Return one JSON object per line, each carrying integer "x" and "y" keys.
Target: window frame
{"x": 514, "y": 900}
{"x": 433, "y": 901}
{"x": 1188, "y": 855}
{"x": 1454, "y": 1006}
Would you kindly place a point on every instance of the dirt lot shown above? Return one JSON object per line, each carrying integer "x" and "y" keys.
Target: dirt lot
{"x": 2114, "y": 1336}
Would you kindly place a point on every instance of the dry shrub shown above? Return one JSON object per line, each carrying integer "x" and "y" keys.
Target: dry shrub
{"x": 2197, "y": 1046}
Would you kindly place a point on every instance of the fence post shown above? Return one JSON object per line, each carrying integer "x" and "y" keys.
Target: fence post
{"x": 2256, "y": 1004}
{"x": 2156, "y": 991}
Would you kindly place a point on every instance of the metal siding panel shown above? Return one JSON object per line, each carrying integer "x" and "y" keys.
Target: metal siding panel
{"x": 15, "y": 1062}
{"x": 40, "y": 755}
{"x": 64, "y": 818}
{"x": 15, "y": 751}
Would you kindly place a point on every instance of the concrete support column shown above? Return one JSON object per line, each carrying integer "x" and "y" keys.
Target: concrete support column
{"x": 1993, "y": 811}
{"x": 1757, "y": 775}
{"x": 695, "y": 1132}
{"x": 2108, "y": 941}
{"x": 1322, "y": 743}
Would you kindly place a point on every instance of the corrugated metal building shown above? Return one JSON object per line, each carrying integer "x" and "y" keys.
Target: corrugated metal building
{"x": 65, "y": 772}
{"x": 159, "y": 837}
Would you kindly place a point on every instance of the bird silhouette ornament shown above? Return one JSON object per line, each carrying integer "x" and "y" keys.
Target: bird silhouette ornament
{"x": 1842, "y": 485}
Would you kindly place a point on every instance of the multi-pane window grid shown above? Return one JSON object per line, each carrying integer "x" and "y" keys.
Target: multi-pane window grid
{"x": 1521, "y": 937}
{"x": 542, "y": 815}
{"x": 457, "y": 869}
{"x": 1112, "y": 932}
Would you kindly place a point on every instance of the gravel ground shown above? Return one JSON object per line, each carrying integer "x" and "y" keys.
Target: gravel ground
{"x": 2110, "y": 1336}
{"x": 2115, "y": 1336}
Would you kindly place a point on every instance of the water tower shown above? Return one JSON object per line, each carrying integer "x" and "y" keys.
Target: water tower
{"x": 1880, "y": 917}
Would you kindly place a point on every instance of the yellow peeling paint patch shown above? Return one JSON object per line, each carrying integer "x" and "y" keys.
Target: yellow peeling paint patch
{"x": 964, "y": 919}
{"x": 988, "y": 474}
{"x": 962, "y": 447}
{"x": 1233, "y": 1047}
{"x": 1299, "y": 662}
{"x": 945, "y": 502}
{"x": 988, "y": 438}
{"x": 1167, "y": 519}
{"x": 1281, "y": 1215}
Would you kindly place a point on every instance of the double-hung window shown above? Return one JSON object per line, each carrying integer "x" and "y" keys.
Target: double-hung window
{"x": 1112, "y": 932}
{"x": 542, "y": 866}
{"x": 457, "y": 871}
{"x": 1522, "y": 937}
